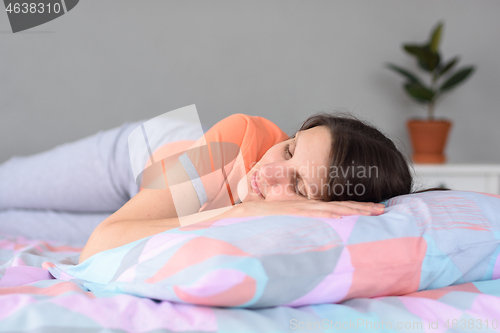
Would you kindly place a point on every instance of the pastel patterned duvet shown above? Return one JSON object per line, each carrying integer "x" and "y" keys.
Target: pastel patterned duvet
{"x": 430, "y": 263}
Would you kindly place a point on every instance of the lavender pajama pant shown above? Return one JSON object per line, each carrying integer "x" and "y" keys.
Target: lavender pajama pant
{"x": 62, "y": 194}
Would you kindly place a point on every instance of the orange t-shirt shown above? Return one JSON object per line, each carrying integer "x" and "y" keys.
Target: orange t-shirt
{"x": 216, "y": 162}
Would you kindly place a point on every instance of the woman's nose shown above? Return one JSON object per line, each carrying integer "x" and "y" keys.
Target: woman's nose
{"x": 273, "y": 174}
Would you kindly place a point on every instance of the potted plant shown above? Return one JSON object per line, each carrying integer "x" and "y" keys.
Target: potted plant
{"x": 429, "y": 136}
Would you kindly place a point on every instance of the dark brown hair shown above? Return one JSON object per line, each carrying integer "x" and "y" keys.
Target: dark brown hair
{"x": 357, "y": 147}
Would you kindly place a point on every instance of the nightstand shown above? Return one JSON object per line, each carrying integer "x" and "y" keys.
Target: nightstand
{"x": 466, "y": 177}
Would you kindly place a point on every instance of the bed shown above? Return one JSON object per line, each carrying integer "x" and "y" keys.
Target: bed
{"x": 430, "y": 263}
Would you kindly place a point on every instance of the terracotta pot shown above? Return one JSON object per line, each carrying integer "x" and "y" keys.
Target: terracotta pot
{"x": 428, "y": 138}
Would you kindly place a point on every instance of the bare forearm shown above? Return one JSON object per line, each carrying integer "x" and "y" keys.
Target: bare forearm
{"x": 114, "y": 234}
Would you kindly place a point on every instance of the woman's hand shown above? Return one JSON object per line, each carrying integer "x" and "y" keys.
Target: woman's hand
{"x": 315, "y": 208}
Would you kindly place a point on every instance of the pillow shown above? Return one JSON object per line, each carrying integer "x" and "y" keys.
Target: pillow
{"x": 422, "y": 241}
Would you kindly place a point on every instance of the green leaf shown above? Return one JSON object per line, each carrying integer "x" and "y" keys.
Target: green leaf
{"x": 404, "y": 72}
{"x": 419, "y": 92}
{"x": 448, "y": 66}
{"x": 414, "y": 49}
{"x": 435, "y": 38}
{"x": 427, "y": 59}
{"x": 456, "y": 78}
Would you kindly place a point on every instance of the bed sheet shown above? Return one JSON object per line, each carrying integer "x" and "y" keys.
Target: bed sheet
{"x": 32, "y": 300}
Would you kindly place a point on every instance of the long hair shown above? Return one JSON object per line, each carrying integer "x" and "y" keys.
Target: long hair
{"x": 365, "y": 165}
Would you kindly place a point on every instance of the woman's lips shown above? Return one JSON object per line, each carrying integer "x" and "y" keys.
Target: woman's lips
{"x": 254, "y": 184}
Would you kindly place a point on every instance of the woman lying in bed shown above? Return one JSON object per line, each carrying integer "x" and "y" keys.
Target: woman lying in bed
{"x": 333, "y": 166}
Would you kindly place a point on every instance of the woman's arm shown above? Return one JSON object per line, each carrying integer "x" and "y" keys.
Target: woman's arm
{"x": 115, "y": 233}
{"x": 143, "y": 211}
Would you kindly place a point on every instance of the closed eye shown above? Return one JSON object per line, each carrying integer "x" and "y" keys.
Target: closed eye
{"x": 288, "y": 155}
{"x": 287, "y": 152}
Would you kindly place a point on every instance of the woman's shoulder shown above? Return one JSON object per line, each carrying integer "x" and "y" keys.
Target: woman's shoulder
{"x": 242, "y": 123}
{"x": 245, "y": 119}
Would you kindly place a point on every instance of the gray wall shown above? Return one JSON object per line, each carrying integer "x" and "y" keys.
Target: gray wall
{"x": 111, "y": 61}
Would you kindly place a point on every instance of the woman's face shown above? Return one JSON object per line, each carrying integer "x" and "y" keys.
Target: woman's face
{"x": 295, "y": 169}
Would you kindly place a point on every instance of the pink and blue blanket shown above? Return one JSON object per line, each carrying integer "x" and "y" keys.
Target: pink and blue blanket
{"x": 430, "y": 263}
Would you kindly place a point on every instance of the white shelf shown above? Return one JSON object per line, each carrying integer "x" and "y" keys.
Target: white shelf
{"x": 466, "y": 177}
